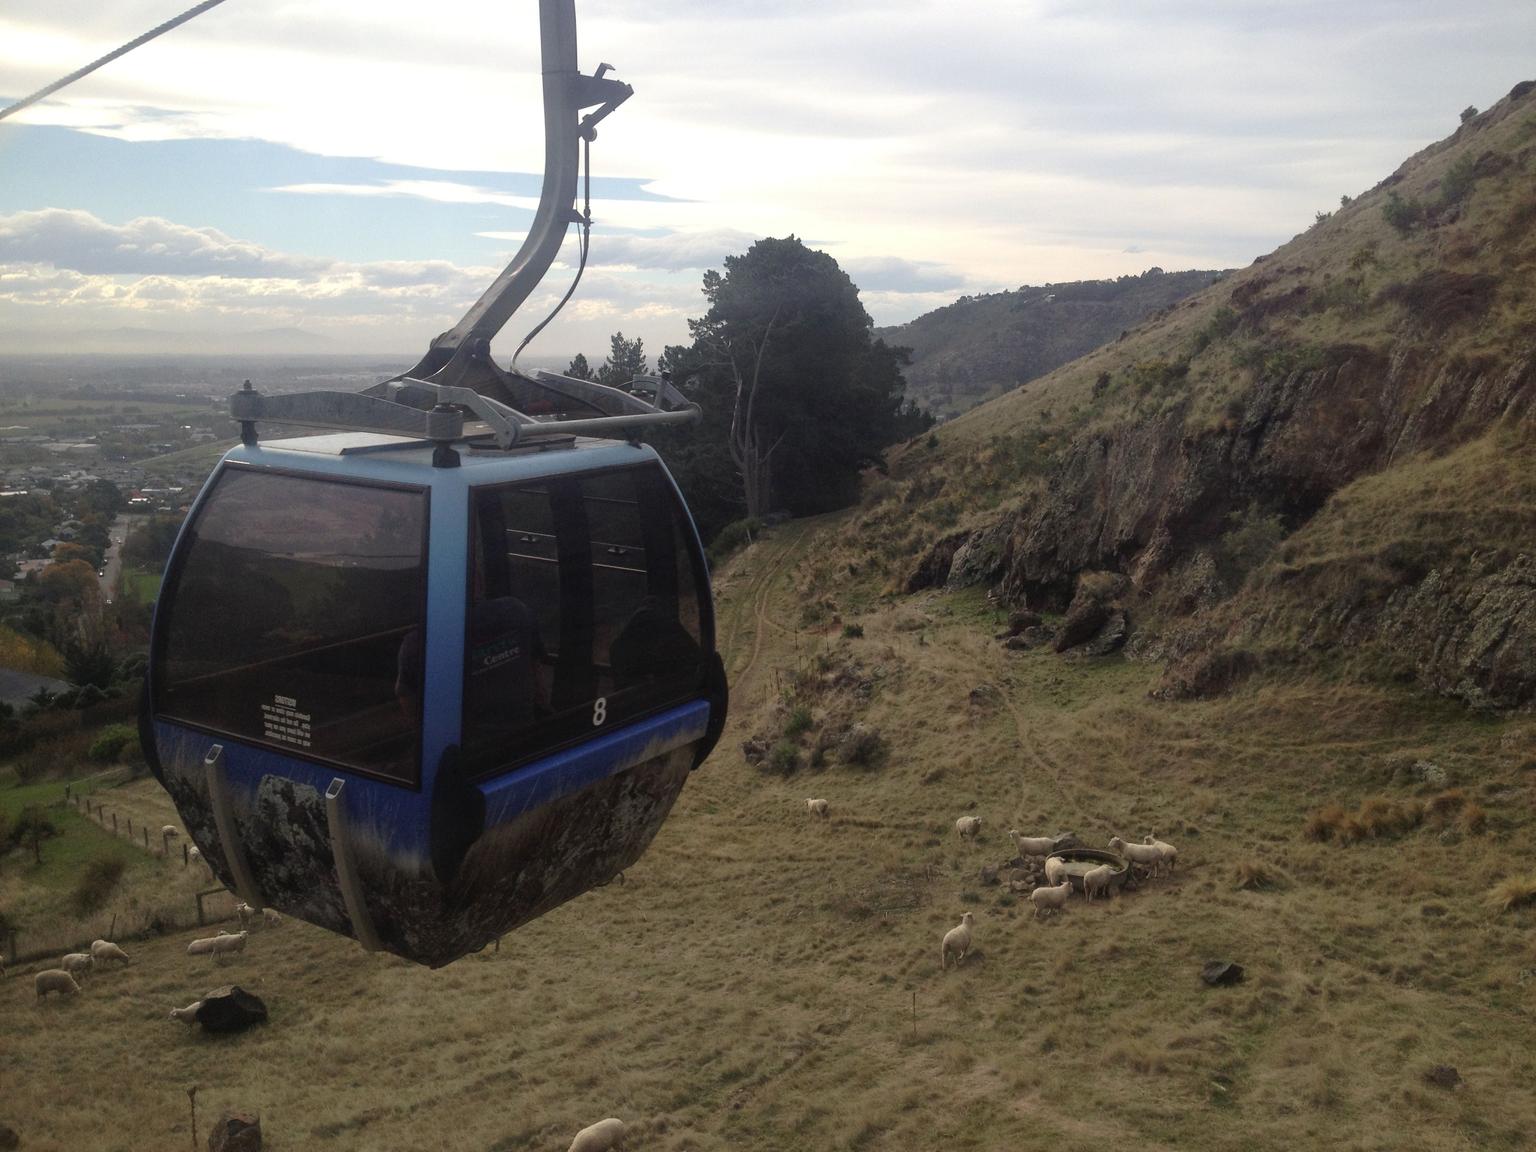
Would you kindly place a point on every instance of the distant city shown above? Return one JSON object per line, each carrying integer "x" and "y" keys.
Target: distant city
{"x": 150, "y": 426}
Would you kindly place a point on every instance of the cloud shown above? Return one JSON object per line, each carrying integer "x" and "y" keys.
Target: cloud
{"x": 672, "y": 252}
{"x": 438, "y": 191}
{"x": 891, "y": 274}
{"x": 82, "y": 242}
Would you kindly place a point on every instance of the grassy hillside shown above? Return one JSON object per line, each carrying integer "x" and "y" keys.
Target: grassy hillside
{"x": 1394, "y": 332}
{"x": 753, "y": 984}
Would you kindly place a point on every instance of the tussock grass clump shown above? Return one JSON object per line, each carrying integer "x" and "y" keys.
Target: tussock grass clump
{"x": 1442, "y": 809}
{"x": 1257, "y": 876}
{"x": 1516, "y": 892}
{"x": 1382, "y": 817}
{"x": 1325, "y": 823}
{"x": 96, "y": 884}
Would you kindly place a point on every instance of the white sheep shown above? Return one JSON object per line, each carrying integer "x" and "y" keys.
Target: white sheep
{"x": 1096, "y": 880}
{"x": 968, "y": 827}
{"x": 220, "y": 945}
{"x": 169, "y": 831}
{"x": 1170, "y": 853}
{"x": 958, "y": 940}
{"x": 54, "y": 980}
{"x": 1144, "y": 854}
{"x": 104, "y": 950}
{"x": 1032, "y": 845}
{"x": 187, "y": 1015}
{"x": 1055, "y": 870}
{"x": 599, "y": 1137}
{"x": 1050, "y": 898}
{"x": 78, "y": 963}
{"x": 245, "y": 912}
{"x": 270, "y": 917}
{"x": 817, "y": 808}
{"x": 194, "y": 855}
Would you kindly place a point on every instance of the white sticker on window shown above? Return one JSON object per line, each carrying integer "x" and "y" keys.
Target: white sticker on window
{"x": 283, "y": 723}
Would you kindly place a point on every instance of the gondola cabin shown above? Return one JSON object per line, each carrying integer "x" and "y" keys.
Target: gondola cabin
{"x": 422, "y": 704}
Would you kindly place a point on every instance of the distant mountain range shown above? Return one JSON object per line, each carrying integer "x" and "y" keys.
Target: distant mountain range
{"x": 980, "y": 347}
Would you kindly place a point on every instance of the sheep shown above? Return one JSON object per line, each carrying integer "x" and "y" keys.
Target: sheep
{"x": 271, "y": 919}
{"x": 1050, "y": 898}
{"x": 1170, "y": 853}
{"x": 1032, "y": 845}
{"x": 187, "y": 1015}
{"x": 1055, "y": 870}
{"x": 1096, "y": 880}
{"x": 817, "y": 808}
{"x": 1144, "y": 854}
{"x": 194, "y": 855}
{"x": 599, "y": 1137}
{"x": 958, "y": 940}
{"x": 78, "y": 963}
{"x": 104, "y": 950}
{"x": 245, "y": 912}
{"x": 219, "y": 945}
{"x": 54, "y": 980}
{"x": 169, "y": 832}
{"x": 968, "y": 827}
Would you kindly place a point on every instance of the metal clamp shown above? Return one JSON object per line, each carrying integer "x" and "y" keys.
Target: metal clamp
{"x": 346, "y": 869}
{"x": 229, "y": 834}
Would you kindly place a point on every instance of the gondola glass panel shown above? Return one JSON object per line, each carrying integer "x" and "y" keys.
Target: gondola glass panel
{"x": 586, "y": 617}
{"x": 326, "y": 580}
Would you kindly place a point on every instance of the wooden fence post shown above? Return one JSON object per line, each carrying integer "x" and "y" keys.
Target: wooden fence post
{"x": 186, "y": 856}
{"x": 114, "y": 823}
{"x": 145, "y": 829}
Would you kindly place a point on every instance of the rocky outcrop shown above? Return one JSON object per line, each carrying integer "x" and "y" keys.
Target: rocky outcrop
{"x": 962, "y": 559}
{"x": 1470, "y": 633}
{"x": 1148, "y": 495}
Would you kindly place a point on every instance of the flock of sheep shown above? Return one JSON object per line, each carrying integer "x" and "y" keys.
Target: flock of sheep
{"x": 65, "y": 979}
{"x": 76, "y": 966}
{"x": 1156, "y": 857}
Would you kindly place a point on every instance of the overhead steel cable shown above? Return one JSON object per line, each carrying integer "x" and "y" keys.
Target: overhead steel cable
{"x": 43, "y": 93}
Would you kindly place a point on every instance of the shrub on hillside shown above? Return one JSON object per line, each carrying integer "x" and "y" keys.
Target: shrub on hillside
{"x": 96, "y": 885}
{"x": 28, "y": 743}
{"x": 862, "y": 746}
{"x": 1458, "y": 180}
{"x": 53, "y": 754}
{"x": 111, "y": 741}
{"x": 733, "y": 536}
{"x": 784, "y": 758}
{"x": 1402, "y": 214}
{"x": 1251, "y": 536}
{"x": 33, "y": 822}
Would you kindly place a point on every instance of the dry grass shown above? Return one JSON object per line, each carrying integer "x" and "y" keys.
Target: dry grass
{"x": 1257, "y": 876}
{"x": 1516, "y": 892}
{"x": 1383, "y": 817}
{"x": 752, "y": 985}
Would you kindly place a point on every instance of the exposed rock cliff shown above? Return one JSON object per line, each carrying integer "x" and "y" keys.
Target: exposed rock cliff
{"x": 1396, "y": 334}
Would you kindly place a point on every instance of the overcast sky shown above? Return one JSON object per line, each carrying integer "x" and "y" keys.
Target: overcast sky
{"x": 361, "y": 171}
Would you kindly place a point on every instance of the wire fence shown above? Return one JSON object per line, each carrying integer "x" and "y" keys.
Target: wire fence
{"x": 189, "y": 900}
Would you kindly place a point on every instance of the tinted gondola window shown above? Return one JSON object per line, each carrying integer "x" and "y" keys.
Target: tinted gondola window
{"x": 292, "y": 600}
{"x": 583, "y": 612}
